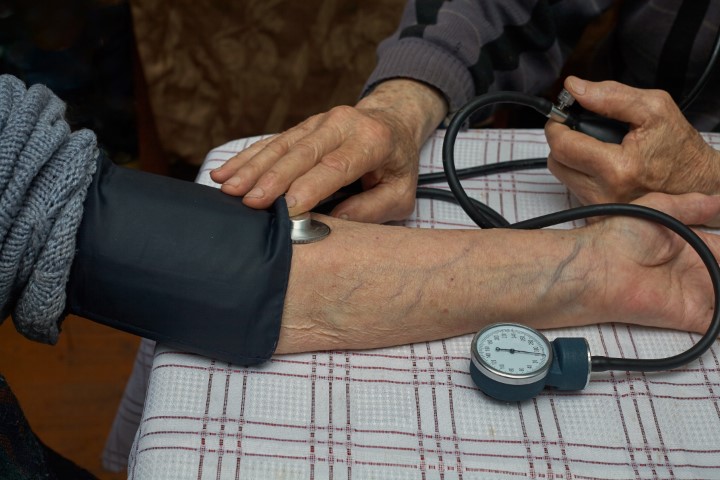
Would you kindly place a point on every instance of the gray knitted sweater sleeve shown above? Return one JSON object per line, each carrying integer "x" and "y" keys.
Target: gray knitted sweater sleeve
{"x": 173, "y": 261}
{"x": 466, "y": 48}
{"x": 45, "y": 171}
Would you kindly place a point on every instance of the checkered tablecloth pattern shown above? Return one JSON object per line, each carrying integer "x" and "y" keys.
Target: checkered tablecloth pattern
{"x": 413, "y": 412}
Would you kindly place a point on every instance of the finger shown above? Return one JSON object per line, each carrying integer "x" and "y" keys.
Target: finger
{"x": 338, "y": 168}
{"x": 384, "y": 203}
{"x": 222, "y": 173}
{"x": 242, "y": 171}
{"x": 689, "y": 208}
{"x": 586, "y": 188}
{"x": 616, "y": 100}
{"x": 584, "y": 153}
{"x": 300, "y": 159}
{"x": 554, "y": 129}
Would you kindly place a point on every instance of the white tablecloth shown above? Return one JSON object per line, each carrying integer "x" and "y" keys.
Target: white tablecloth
{"x": 413, "y": 412}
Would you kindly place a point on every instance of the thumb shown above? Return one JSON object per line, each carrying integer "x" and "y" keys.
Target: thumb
{"x": 689, "y": 208}
{"x": 609, "y": 99}
{"x": 382, "y": 203}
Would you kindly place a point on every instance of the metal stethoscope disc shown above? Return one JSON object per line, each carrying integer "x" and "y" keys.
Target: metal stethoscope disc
{"x": 307, "y": 230}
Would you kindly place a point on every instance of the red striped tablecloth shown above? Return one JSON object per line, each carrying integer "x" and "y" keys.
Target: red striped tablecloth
{"x": 413, "y": 412}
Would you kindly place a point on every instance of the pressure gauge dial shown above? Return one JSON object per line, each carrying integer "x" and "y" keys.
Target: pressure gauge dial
{"x": 510, "y": 362}
{"x": 513, "y": 362}
{"x": 512, "y": 354}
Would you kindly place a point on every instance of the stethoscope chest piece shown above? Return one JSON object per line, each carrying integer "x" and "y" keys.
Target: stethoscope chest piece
{"x": 512, "y": 362}
{"x": 306, "y": 230}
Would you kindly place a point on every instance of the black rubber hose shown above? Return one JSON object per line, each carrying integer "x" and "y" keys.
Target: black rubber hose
{"x": 448, "y": 149}
{"x": 495, "y": 219}
{"x": 600, "y": 363}
{"x": 481, "y": 217}
{"x": 489, "y": 169}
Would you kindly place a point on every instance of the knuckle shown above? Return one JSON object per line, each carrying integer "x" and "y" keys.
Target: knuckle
{"x": 305, "y": 149}
{"x": 658, "y": 101}
{"x": 337, "y": 162}
{"x": 381, "y": 133}
{"x": 277, "y": 148}
{"x": 613, "y": 86}
{"x": 380, "y": 125}
{"x": 609, "y": 88}
{"x": 250, "y": 169}
{"x": 341, "y": 112}
{"x": 272, "y": 176}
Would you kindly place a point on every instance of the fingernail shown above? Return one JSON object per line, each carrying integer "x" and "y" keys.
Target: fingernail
{"x": 577, "y": 85}
{"x": 255, "y": 193}
{"x": 343, "y": 216}
{"x": 290, "y": 201}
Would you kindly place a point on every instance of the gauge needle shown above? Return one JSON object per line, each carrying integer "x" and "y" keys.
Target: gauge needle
{"x": 512, "y": 350}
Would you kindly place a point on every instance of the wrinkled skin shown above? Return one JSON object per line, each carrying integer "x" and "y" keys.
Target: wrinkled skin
{"x": 661, "y": 153}
{"x": 377, "y": 141}
{"x": 369, "y": 286}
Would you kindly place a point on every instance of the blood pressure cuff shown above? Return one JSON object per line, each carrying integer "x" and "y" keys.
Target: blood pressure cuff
{"x": 181, "y": 263}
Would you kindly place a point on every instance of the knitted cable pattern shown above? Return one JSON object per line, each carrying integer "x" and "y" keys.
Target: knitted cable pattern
{"x": 45, "y": 172}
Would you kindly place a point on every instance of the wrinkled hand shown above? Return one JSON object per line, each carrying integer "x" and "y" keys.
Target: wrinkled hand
{"x": 377, "y": 141}
{"x": 661, "y": 153}
{"x": 650, "y": 276}
{"x": 324, "y": 153}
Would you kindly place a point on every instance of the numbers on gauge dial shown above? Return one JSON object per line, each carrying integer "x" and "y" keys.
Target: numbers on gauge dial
{"x": 513, "y": 350}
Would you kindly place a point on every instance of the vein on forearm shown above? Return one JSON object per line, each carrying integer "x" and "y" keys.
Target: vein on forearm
{"x": 559, "y": 273}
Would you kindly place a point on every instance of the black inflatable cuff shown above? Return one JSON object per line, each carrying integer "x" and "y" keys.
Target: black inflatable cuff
{"x": 182, "y": 264}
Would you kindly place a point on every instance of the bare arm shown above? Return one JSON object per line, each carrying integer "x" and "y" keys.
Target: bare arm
{"x": 369, "y": 286}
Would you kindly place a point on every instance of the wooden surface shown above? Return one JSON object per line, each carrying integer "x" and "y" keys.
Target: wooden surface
{"x": 70, "y": 391}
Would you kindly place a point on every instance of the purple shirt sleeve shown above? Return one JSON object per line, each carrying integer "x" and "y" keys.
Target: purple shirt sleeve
{"x": 467, "y": 48}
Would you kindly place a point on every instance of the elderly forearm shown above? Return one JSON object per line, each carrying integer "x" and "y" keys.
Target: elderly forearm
{"x": 368, "y": 286}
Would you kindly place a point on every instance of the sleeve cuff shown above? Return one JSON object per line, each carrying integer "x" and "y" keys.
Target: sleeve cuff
{"x": 425, "y": 62}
